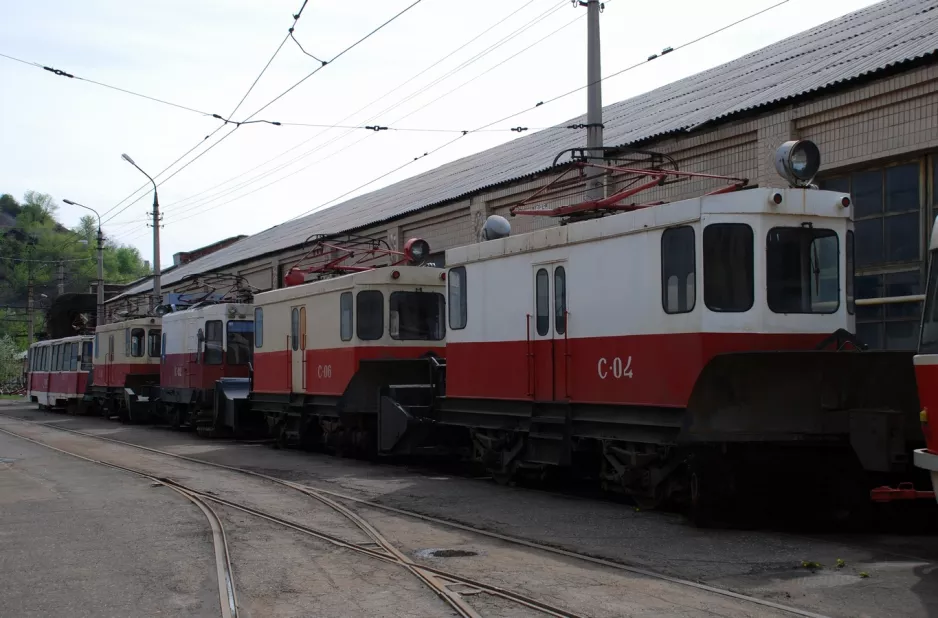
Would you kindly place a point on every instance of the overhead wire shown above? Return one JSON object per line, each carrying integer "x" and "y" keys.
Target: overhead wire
{"x": 244, "y": 183}
{"x": 384, "y": 96}
{"x": 97, "y": 83}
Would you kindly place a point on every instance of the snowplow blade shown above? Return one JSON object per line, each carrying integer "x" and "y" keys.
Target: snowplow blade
{"x": 866, "y": 398}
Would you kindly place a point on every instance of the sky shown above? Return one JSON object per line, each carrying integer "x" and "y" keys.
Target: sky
{"x": 65, "y": 137}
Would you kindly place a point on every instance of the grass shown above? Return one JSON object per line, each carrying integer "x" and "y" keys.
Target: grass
{"x": 11, "y": 397}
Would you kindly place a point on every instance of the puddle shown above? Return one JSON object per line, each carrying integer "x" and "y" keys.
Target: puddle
{"x": 445, "y": 553}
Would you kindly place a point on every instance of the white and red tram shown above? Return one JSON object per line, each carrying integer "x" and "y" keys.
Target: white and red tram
{"x": 926, "y": 368}
{"x": 58, "y": 372}
{"x": 126, "y": 366}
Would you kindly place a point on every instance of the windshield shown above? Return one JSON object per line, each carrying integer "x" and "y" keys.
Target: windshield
{"x": 803, "y": 270}
{"x": 240, "y": 342}
{"x": 929, "y": 342}
{"x": 417, "y": 316}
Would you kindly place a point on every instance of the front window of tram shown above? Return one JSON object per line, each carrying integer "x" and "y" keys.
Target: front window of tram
{"x": 929, "y": 342}
{"x": 240, "y": 344}
{"x": 417, "y": 316}
{"x": 803, "y": 270}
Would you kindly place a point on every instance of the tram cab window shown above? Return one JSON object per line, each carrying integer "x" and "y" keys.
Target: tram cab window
{"x": 678, "y": 270}
{"x": 136, "y": 342}
{"x": 802, "y": 270}
{"x": 213, "y": 343}
{"x": 86, "y": 348}
{"x": 240, "y": 342}
{"x": 728, "y": 267}
{"x": 417, "y": 316}
{"x": 345, "y": 316}
{"x": 458, "y": 310}
{"x": 370, "y": 312}
{"x": 929, "y": 337}
{"x": 153, "y": 343}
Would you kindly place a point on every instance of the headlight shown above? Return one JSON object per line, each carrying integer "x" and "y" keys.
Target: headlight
{"x": 798, "y": 161}
{"x": 417, "y": 250}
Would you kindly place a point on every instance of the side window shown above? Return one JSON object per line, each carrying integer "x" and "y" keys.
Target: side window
{"x": 370, "y": 312}
{"x": 678, "y": 270}
{"x": 55, "y": 358}
{"x": 86, "y": 351}
{"x": 295, "y": 329}
{"x": 97, "y": 345}
{"x": 127, "y": 342}
{"x": 154, "y": 343}
{"x": 136, "y": 342}
{"x": 303, "y": 327}
{"x": 73, "y": 358}
{"x": 728, "y": 267}
{"x": 345, "y": 316}
{"x": 560, "y": 300}
{"x": 213, "y": 342}
{"x": 458, "y": 313}
{"x": 542, "y": 301}
{"x": 851, "y": 272}
{"x": 258, "y": 327}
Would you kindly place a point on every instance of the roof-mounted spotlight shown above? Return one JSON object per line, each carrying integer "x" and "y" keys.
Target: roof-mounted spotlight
{"x": 417, "y": 250}
{"x": 798, "y": 161}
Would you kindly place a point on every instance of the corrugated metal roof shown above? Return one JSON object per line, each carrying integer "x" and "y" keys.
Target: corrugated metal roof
{"x": 852, "y": 46}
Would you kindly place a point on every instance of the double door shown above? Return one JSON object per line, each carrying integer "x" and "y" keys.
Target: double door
{"x": 550, "y": 330}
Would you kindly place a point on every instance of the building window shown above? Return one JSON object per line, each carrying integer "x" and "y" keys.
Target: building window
{"x": 886, "y": 248}
{"x": 458, "y": 302}
{"x": 214, "y": 352}
{"x": 542, "y": 301}
{"x": 560, "y": 300}
{"x": 136, "y": 342}
{"x": 153, "y": 343}
{"x": 728, "y": 267}
{"x": 345, "y": 316}
{"x": 678, "y": 270}
{"x": 258, "y": 327}
{"x": 436, "y": 260}
{"x": 802, "y": 270}
{"x": 295, "y": 329}
{"x": 370, "y": 315}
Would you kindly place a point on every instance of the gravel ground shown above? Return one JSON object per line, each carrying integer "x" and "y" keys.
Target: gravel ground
{"x": 903, "y": 569}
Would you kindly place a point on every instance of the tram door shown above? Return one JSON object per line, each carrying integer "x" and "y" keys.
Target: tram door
{"x": 549, "y": 332}
{"x": 298, "y": 348}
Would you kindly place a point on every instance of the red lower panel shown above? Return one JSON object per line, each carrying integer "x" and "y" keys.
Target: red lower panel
{"x": 184, "y": 371}
{"x": 115, "y": 376}
{"x": 926, "y": 376}
{"x": 657, "y": 370}
{"x": 272, "y": 371}
{"x": 68, "y": 384}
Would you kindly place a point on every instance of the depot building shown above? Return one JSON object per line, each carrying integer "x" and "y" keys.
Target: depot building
{"x": 863, "y": 87}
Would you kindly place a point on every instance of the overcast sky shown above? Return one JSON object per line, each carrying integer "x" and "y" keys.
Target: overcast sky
{"x": 64, "y": 137}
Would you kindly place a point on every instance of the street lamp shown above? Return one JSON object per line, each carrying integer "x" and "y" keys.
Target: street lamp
{"x": 99, "y": 318}
{"x": 157, "y": 287}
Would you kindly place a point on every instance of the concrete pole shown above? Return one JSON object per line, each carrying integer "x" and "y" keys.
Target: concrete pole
{"x": 594, "y": 101}
{"x": 157, "y": 286}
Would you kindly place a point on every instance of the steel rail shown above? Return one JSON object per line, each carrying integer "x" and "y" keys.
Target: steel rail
{"x": 443, "y": 522}
{"x": 438, "y": 579}
{"x": 227, "y": 594}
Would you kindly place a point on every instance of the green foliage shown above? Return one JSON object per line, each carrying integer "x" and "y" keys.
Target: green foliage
{"x": 35, "y": 245}
{"x": 11, "y": 369}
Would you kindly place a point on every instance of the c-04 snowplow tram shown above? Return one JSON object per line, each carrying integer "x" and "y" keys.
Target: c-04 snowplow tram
{"x": 694, "y": 350}
{"x": 926, "y": 368}
{"x": 126, "y": 370}
{"x": 328, "y": 352}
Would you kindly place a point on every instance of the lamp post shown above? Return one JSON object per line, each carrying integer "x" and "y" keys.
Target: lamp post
{"x": 99, "y": 319}
{"x": 157, "y": 287}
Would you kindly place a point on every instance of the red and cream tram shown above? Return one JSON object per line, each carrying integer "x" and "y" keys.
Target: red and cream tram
{"x": 58, "y": 372}
{"x": 926, "y": 368}
{"x": 200, "y": 346}
{"x": 126, "y": 366}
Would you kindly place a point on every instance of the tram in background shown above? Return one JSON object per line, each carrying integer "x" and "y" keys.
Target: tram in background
{"x": 926, "y": 367}
{"x": 58, "y": 372}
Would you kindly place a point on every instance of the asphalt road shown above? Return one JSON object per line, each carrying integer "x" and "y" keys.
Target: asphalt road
{"x": 903, "y": 570}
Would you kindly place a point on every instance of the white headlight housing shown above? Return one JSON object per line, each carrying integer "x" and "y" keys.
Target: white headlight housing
{"x": 798, "y": 161}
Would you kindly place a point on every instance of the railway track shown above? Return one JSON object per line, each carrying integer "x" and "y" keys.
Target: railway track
{"x": 331, "y": 498}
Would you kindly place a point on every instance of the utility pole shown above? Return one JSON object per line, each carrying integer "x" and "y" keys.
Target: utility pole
{"x": 61, "y": 278}
{"x": 594, "y": 100}
{"x": 99, "y": 312}
{"x": 29, "y": 306}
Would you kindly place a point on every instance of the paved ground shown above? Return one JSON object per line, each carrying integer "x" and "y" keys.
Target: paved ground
{"x": 81, "y": 540}
{"x": 903, "y": 569}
